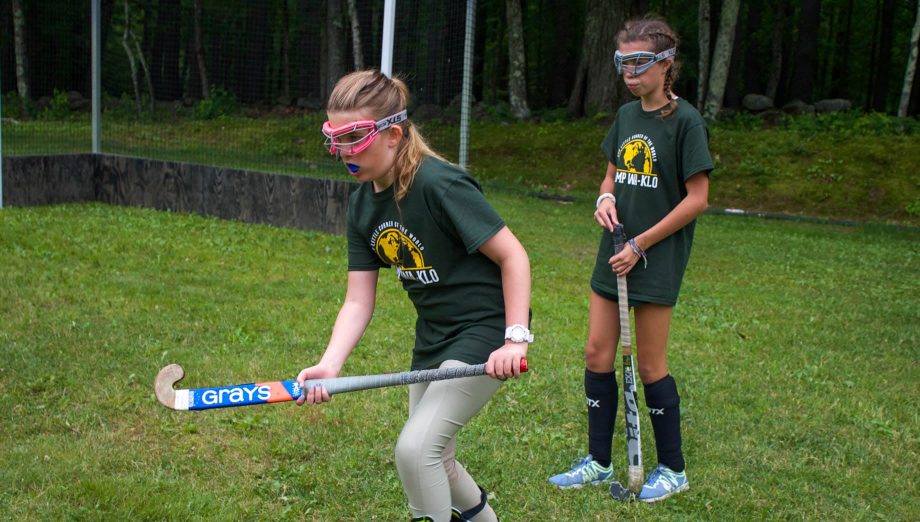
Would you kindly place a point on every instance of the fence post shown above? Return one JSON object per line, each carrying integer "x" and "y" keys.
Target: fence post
{"x": 386, "y": 49}
{"x": 96, "y": 35}
{"x": 1, "y": 146}
{"x": 467, "y": 94}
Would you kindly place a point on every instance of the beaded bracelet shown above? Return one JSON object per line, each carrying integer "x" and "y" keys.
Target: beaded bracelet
{"x": 638, "y": 251}
{"x": 602, "y": 197}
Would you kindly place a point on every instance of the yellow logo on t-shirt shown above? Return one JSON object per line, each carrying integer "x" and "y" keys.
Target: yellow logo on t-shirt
{"x": 637, "y": 157}
{"x": 636, "y": 162}
{"x": 395, "y": 248}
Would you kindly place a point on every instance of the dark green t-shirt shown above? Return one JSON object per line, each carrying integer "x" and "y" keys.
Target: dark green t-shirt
{"x": 432, "y": 237}
{"x": 654, "y": 157}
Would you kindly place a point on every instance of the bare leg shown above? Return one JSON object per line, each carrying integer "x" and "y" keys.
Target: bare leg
{"x": 653, "y": 322}
{"x": 603, "y": 334}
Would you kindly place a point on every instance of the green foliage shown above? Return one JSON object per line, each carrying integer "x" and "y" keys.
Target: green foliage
{"x": 220, "y": 102}
{"x": 58, "y": 108}
{"x": 835, "y": 125}
{"x": 855, "y": 124}
{"x": 846, "y": 166}
{"x": 499, "y": 111}
{"x": 552, "y": 115}
{"x": 913, "y": 208}
{"x": 12, "y": 106}
{"x": 124, "y": 108}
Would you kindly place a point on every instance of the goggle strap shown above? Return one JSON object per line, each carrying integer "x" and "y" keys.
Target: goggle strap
{"x": 619, "y": 57}
{"x": 389, "y": 121}
{"x": 664, "y": 55}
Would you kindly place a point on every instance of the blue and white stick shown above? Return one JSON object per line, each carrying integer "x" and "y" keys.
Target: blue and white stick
{"x": 282, "y": 391}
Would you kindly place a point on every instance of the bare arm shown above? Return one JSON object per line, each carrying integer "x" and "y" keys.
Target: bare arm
{"x": 353, "y": 318}
{"x": 506, "y": 251}
{"x": 606, "y": 213}
{"x": 689, "y": 208}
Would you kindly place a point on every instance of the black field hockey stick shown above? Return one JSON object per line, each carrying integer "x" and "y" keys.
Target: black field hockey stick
{"x": 634, "y": 476}
{"x": 283, "y": 391}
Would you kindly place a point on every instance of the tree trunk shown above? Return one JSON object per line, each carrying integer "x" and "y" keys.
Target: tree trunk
{"x": 517, "y": 83}
{"x": 494, "y": 61}
{"x": 165, "y": 59}
{"x": 199, "y": 52}
{"x": 285, "y": 52}
{"x": 776, "y": 51}
{"x": 335, "y": 45}
{"x": 731, "y": 99}
{"x": 802, "y": 84}
{"x": 840, "y": 75}
{"x": 828, "y": 56}
{"x": 356, "y": 49}
{"x": 913, "y": 107}
{"x": 429, "y": 62}
{"x": 561, "y": 67}
{"x": 598, "y": 87}
{"x": 125, "y": 42}
{"x": 753, "y": 77}
{"x": 129, "y": 35}
{"x": 911, "y": 66}
{"x": 721, "y": 58}
{"x": 703, "y": 33}
{"x": 882, "y": 62}
{"x": 22, "y": 56}
{"x": 140, "y": 58}
{"x": 253, "y": 73}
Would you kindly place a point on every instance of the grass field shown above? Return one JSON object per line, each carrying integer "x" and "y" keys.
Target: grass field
{"x": 796, "y": 348}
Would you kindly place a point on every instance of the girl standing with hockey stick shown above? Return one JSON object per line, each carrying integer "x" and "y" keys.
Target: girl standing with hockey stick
{"x": 466, "y": 273}
{"x": 657, "y": 184}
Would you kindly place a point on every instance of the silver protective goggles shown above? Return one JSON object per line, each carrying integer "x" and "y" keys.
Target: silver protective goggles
{"x": 639, "y": 62}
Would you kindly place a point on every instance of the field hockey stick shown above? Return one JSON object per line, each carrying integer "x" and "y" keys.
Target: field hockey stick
{"x": 282, "y": 391}
{"x": 631, "y": 404}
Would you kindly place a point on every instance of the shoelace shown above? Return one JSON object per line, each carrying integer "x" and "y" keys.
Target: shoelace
{"x": 578, "y": 466}
{"x": 660, "y": 475}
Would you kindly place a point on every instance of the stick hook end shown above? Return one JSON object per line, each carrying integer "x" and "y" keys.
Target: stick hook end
{"x": 163, "y": 385}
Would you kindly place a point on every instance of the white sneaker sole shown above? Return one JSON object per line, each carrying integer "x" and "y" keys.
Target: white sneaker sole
{"x": 579, "y": 486}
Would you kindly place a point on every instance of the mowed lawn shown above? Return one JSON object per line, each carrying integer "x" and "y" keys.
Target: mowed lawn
{"x": 795, "y": 347}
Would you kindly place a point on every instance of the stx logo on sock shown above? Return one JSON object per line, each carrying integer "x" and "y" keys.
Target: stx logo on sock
{"x": 592, "y": 403}
{"x": 656, "y": 411}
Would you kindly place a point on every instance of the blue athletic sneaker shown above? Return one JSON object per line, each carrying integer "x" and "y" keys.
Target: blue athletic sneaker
{"x": 587, "y": 471}
{"x": 662, "y": 483}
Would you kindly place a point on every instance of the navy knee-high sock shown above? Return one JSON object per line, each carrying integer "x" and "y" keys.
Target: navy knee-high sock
{"x": 664, "y": 409}
{"x": 601, "y": 398}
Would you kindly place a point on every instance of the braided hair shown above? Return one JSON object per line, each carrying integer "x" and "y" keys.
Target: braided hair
{"x": 657, "y": 32}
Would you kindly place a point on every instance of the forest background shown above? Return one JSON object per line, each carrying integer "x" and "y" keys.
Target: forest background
{"x": 818, "y": 88}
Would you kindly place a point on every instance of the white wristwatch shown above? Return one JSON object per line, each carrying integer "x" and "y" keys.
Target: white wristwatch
{"x": 518, "y": 333}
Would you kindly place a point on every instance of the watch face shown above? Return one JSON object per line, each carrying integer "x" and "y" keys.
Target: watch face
{"x": 518, "y": 334}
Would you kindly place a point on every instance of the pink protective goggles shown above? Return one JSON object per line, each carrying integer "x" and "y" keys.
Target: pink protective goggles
{"x": 356, "y": 136}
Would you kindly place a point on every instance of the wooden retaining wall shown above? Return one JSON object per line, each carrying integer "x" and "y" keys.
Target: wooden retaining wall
{"x": 252, "y": 197}
{"x": 48, "y": 180}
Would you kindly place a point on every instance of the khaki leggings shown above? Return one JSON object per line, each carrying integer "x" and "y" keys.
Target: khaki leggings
{"x": 433, "y": 481}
